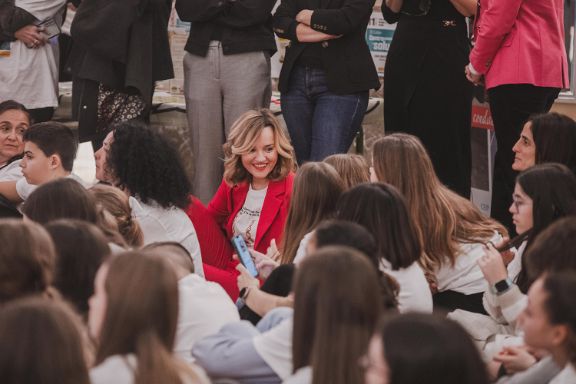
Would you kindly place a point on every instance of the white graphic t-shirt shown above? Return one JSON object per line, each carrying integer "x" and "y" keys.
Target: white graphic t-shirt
{"x": 246, "y": 221}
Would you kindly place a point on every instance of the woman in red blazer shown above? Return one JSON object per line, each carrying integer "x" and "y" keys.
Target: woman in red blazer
{"x": 519, "y": 49}
{"x": 254, "y": 196}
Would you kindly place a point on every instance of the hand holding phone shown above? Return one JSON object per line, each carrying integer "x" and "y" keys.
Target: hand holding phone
{"x": 244, "y": 254}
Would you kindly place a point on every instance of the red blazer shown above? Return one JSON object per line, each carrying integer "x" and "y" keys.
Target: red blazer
{"x": 228, "y": 200}
{"x": 521, "y": 42}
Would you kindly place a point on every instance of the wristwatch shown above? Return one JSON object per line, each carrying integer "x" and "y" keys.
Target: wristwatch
{"x": 502, "y": 286}
{"x": 244, "y": 293}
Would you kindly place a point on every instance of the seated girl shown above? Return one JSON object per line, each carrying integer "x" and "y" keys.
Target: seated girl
{"x": 547, "y": 138}
{"x": 80, "y": 250}
{"x": 382, "y": 211}
{"x": 353, "y": 169}
{"x": 133, "y": 317}
{"x": 148, "y": 169}
{"x": 116, "y": 203}
{"x": 542, "y": 195}
{"x": 336, "y": 291}
{"x": 418, "y": 348}
{"x": 549, "y": 322}
{"x": 66, "y": 199}
{"x": 317, "y": 187}
{"x": 53, "y": 351}
{"x": 451, "y": 229}
{"x": 26, "y": 260}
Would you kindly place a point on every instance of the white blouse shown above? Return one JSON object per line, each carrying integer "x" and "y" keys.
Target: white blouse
{"x": 415, "y": 295}
{"x": 167, "y": 224}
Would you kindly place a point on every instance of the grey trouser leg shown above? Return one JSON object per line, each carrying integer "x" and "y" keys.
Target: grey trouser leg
{"x": 218, "y": 90}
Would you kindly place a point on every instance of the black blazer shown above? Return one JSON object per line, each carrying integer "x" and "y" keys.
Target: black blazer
{"x": 244, "y": 25}
{"x": 12, "y": 18}
{"x": 347, "y": 61}
{"x": 122, "y": 44}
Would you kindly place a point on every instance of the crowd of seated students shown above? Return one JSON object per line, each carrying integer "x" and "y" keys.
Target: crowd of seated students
{"x": 375, "y": 275}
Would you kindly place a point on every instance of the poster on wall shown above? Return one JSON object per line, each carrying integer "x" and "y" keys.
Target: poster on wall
{"x": 483, "y": 142}
{"x": 178, "y": 31}
{"x": 378, "y": 37}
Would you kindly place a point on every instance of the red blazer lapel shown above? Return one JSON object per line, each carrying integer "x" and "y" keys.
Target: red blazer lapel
{"x": 238, "y": 197}
{"x": 272, "y": 203}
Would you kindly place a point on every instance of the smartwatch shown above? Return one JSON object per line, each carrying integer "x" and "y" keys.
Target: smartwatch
{"x": 244, "y": 293}
{"x": 502, "y": 286}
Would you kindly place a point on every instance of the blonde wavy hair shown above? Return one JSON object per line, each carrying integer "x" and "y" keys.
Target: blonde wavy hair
{"x": 243, "y": 135}
{"x": 115, "y": 203}
{"x": 443, "y": 218}
{"x": 353, "y": 169}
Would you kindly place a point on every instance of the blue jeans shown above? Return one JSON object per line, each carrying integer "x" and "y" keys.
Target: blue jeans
{"x": 321, "y": 123}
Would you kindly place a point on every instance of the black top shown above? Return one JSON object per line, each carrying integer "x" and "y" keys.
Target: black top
{"x": 241, "y": 25}
{"x": 347, "y": 60}
{"x": 122, "y": 44}
{"x": 311, "y": 56}
{"x": 12, "y": 18}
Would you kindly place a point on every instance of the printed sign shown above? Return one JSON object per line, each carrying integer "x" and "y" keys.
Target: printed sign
{"x": 378, "y": 37}
{"x": 483, "y": 143}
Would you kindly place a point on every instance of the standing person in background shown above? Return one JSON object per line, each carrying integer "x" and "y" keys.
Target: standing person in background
{"x": 120, "y": 50}
{"x": 425, "y": 92}
{"x": 29, "y": 69}
{"x": 327, "y": 73}
{"x": 226, "y": 73}
{"x": 520, "y": 53}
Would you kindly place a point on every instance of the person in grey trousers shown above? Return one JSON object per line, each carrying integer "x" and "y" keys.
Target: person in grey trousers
{"x": 226, "y": 73}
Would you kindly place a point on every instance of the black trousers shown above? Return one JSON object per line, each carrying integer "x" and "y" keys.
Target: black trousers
{"x": 449, "y": 301}
{"x": 511, "y": 105}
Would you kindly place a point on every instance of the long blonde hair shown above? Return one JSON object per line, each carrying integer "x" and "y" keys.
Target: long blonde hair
{"x": 115, "y": 202}
{"x": 144, "y": 326}
{"x": 353, "y": 169}
{"x": 243, "y": 135}
{"x": 317, "y": 187}
{"x": 443, "y": 218}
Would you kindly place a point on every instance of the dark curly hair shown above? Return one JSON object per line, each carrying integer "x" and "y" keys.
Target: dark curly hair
{"x": 145, "y": 163}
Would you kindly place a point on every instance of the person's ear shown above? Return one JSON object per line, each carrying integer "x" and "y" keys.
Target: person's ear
{"x": 55, "y": 161}
{"x": 559, "y": 334}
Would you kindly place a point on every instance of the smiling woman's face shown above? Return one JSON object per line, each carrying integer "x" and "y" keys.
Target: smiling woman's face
{"x": 13, "y": 124}
{"x": 261, "y": 159}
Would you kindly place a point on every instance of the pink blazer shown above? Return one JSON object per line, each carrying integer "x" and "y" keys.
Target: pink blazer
{"x": 228, "y": 200}
{"x": 521, "y": 42}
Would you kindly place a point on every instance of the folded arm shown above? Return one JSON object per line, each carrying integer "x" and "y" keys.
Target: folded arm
{"x": 12, "y": 19}
{"x": 343, "y": 20}
{"x": 289, "y": 26}
{"x": 234, "y": 14}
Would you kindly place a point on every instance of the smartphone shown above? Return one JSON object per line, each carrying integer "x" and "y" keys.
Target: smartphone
{"x": 244, "y": 255}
